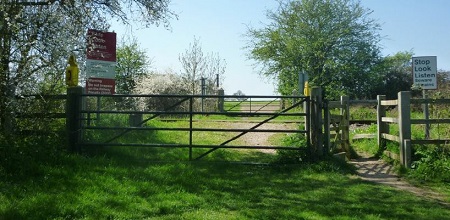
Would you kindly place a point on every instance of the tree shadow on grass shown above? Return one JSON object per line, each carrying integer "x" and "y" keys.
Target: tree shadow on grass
{"x": 94, "y": 187}
{"x": 130, "y": 183}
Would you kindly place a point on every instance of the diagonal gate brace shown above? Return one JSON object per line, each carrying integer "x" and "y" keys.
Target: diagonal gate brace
{"x": 146, "y": 120}
{"x": 249, "y": 130}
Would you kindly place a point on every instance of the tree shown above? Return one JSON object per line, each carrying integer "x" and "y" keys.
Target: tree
{"x": 241, "y": 94}
{"x": 197, "y": 65}
{"x": 216, "y": 74}
{"x": 167, "y": 83}
{"x": 132, "y": 64}
{"x": 36, "y": 37}
{"x": 330, "y": 40}
{"x": 394, "y": 74}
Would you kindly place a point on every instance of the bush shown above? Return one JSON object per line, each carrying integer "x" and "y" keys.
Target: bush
{"x": 23, "y": 156}
{"x": 162, "y": 84}
{"x": 431, "y": 163}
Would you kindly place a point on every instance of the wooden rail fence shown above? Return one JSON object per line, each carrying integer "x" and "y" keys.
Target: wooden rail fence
{"x": 326, "y": 131}
{"x": 404, "y": 121}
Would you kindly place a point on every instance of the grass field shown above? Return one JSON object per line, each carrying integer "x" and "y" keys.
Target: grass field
{"x": 159, "y": 183}
{"x": 122, "y": 184}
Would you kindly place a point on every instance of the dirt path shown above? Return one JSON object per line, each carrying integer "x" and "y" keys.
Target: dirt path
{"x": 260, "y": 138}
{"x": 377, "y": 171}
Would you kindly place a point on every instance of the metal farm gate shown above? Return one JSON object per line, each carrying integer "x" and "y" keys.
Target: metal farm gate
{"x": 102, "y": 120}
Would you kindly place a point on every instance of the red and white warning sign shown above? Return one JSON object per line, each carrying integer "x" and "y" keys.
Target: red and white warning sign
{"x": 100, "y": 62}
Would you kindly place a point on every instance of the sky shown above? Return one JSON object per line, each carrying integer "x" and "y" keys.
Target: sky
{"x": 422, "y": 27}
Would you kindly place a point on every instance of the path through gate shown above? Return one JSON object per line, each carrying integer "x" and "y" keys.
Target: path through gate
{"x": 103, "y": 121}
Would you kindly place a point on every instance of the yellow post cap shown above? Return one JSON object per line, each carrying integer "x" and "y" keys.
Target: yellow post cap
{"x": 72, "y": 72}
{"x": 306, "y": 90}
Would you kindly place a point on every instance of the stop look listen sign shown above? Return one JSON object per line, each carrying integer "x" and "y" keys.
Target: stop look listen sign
{"x": 424, "y": 70}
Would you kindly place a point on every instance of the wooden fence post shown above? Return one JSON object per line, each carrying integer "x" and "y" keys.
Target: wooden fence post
{"x": 316, "y": 122}
{"x": 407, "y": 147}
{"x": 73, "y": 118}
{"x": 382, "y": 127}
{"x": 326, "y": 127}
{"x": 404, "y": 123}
{"x": 344, "y": 125}
{"x": 221, "y": 100}
{"x": 426, "y": 114}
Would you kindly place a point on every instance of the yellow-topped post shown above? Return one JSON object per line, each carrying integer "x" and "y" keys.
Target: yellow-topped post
{"x": 307, "y": 90}
{"x": 72, "y": 72}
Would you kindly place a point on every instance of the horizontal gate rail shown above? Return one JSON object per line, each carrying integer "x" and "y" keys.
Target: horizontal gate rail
{"x": 195, "y": 113}
{"x": 238, "y": 104}
{"x": 193, "y": 96}
{"x": 156, "y": 145}
{"x": 194, "y": 129}
{"x": 146, "y": 120}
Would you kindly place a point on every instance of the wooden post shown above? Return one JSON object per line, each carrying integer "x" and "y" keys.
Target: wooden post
{"x": 307, "y": 111}
{"x": 326, "y": 127}
{"x": 382, "y": 127}
{"x": 135, "y": 120}
{"x": 73, "y": 118}
{"x": 316, "y": 122}
{"x": 191, "y": 116}
{"x": 345, "y": 125}
{"x": 407, "y": 147}
{"x": 404, "y": 123}
{"x": 221, "y": 100}
{"x": 426, "y": 115}
{"x": 99, "y": 107}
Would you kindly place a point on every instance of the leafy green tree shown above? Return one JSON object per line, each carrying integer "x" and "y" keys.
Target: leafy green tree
{"x": 333, "y": 41}
{"x": 132, "y": 64}
{"x": 394, "y": 73}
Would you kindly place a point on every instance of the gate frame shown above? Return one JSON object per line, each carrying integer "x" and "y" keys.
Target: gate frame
{"x": 312, "y": 115}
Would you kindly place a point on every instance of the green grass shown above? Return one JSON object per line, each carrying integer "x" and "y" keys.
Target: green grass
{"x": 123, "y": 185}
{"x": 160, "y": 183}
